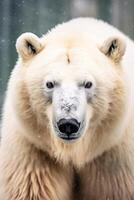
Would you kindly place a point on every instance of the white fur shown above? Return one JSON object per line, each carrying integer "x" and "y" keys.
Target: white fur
{"x": 71, "y": 52}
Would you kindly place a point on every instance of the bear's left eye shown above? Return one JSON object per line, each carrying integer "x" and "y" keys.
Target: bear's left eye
{"x": 50, "y": 85}
{"x": 88, "y": 85}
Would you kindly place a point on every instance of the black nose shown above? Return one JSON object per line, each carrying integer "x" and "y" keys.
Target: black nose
{"x": 68, "y": 126}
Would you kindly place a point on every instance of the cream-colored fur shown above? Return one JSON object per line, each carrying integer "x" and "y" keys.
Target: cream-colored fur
{"x": 34, "y": 163}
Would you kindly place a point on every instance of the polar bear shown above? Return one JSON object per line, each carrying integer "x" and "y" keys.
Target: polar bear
{"x": 68, "y": 117}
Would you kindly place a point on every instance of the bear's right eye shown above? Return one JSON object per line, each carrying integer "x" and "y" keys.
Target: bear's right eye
{"x": 50, "y": 85}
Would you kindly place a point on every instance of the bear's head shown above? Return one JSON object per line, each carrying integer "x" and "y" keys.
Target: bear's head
{"x": 68, "y": 94}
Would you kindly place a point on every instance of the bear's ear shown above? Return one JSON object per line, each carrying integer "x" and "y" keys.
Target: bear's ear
{"x": 28, "y": 45}
{"x": 114, "y": 48}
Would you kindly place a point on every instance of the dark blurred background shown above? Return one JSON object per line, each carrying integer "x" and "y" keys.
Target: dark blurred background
{"x": 37, "y": 16}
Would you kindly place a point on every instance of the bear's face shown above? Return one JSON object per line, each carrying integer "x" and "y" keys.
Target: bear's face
{"x": 69, "y": 96}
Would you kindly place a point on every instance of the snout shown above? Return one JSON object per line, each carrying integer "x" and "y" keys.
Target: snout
{"x": 68, "y": 128}
{"x": 69, "y": 108}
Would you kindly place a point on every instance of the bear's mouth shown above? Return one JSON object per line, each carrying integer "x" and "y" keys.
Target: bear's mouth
{"x": 71, "y": 138}
{"x": 68, "y": 130}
